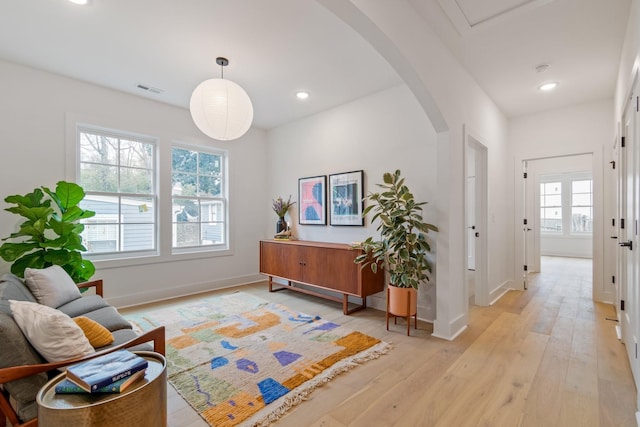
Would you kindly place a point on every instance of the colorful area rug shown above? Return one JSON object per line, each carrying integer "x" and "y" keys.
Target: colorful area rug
{"x": 239, "y": 359}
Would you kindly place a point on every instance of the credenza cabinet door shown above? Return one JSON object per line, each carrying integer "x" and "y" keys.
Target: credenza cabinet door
{"x": 332, "y": 268}
{"x": 281, "y": 260}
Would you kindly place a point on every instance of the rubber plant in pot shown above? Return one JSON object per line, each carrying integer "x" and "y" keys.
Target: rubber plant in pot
{"x": 49, "y": 235}
{"x": 402, "y": 248}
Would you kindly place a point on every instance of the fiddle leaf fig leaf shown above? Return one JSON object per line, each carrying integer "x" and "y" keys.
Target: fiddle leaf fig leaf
{"x": 51, "y": 233}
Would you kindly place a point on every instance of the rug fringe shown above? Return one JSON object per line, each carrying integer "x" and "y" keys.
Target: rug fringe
{"x": 300, "y": 395}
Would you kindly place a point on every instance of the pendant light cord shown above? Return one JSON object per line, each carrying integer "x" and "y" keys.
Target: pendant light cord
{"x": 222, "y": 62}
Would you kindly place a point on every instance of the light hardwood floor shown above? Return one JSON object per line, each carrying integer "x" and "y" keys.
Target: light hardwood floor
{"x": 547, "y": 356}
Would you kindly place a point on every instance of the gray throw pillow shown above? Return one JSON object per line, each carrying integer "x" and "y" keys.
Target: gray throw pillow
{"x": 51, "y": 286}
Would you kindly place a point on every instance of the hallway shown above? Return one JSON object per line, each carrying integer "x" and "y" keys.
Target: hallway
{"x": 583, "y": 377}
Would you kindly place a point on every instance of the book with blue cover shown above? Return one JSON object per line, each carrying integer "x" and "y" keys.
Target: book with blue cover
{"x": 67, "y": 386}
{"x": 105, "y": 370}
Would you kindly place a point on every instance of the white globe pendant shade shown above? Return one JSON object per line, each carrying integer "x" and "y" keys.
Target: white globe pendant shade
{"x": 221, "y": 109}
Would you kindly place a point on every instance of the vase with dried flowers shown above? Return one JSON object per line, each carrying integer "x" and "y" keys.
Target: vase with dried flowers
{"x": 280, "y": 207}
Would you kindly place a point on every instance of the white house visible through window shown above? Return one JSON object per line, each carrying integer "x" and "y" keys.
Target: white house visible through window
{"x": 581, "y": 206}
{"x": 118, "y": 173}
{"x": 199, "y": 203}
{"x": 551, "y": 206}
{"x": 566, "y": 204}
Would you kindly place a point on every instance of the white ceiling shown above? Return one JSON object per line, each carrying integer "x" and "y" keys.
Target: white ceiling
{"x": 501, "y": 42}
{"x": 277, "y": 47}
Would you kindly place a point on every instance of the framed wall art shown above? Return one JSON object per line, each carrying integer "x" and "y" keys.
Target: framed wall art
{"x": 346, "y": 198}
{"x": 312, "y": 200}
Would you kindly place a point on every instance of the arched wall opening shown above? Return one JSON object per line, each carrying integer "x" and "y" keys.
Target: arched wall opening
{"x": 452, "y": 100}
{"x": 361, "y": 23}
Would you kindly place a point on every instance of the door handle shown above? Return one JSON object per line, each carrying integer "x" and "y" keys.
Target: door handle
{"x": 477, "y": 234}
{"x": 614, "y": 237}
{"x": 628, "y": 244}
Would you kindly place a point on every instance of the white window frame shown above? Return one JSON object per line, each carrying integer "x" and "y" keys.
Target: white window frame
{"x": 566, "y": 181}
{"x": 562, "y": 213}
{"x": 223, "y": 198}
{"x": 123, "y": 254}
{"x": 581, "y": 233}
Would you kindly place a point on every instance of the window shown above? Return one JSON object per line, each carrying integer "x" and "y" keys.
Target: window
{"x": 566, "y": 204}
{"x": 118, "y": 172}
{"x": 551, "y": 206}
{"x": 581, "y": 206}
{"x": 199, "y": 201}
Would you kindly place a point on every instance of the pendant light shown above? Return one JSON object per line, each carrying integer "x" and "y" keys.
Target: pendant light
{"x": 220, "y": 108}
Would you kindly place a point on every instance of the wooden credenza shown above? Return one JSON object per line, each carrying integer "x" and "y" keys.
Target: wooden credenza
{"x": 319, "y": 265}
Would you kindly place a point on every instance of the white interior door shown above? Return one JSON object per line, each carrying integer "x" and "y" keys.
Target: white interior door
{"x": 628, "y": 236}
{"x": 527, "y": 221}
{"x": 477, "y": 221}
{"x": 613, "y": 202}
{"x": 471, "y": 223}
{"x": 619, "y": 281}
{"x": 532, "y": 215}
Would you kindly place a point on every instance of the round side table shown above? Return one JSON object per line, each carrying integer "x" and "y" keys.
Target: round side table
{"x": 143, "y": 403}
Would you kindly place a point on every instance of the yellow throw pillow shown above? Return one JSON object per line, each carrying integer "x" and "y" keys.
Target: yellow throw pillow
{"x": 98, "y": 335}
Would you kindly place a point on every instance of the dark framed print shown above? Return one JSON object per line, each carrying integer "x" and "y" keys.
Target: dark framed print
{"x": 346, "y": 198}
{"x": 312, "y": 200}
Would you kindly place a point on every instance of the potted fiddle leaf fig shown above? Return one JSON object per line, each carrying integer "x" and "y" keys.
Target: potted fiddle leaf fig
{"x": 402, "y": 248}
{"x": 50, "y": 233}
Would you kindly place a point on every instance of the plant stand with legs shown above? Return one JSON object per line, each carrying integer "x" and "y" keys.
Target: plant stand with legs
{"x": 398, "y": 309}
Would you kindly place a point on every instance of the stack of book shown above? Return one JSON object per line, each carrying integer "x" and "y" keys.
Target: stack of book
{"x": 110, "y": 373}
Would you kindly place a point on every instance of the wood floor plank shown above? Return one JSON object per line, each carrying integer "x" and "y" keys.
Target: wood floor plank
{"x": 547, "y": 357}
{"x": 389, "y": 400}
{"x": 545, "y": 399}
{"x": 495, "y": 351}
{"x": 509, "y": 396}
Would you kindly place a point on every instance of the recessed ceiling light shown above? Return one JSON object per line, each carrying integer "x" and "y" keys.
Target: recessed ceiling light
{"x": 548, "y": 86}
{"x": 81, "y": 2}
{"x": 302, "y": 95}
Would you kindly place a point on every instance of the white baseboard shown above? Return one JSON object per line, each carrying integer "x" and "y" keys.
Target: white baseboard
{"x": 451, "y": 330}
{"x": 499, "y": 292}
{"x": 132, "y": 300}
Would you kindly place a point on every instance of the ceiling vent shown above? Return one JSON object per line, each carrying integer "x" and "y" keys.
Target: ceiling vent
{"x": 150, "y": 89}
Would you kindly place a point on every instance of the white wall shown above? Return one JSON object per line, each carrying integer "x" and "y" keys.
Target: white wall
{"x": 379, "y": 133}
{"x": 579, "y": 129}
{"x": 458, "y": 109}
{"x": 34, "y": 107}
{"x": 629, "y": 61}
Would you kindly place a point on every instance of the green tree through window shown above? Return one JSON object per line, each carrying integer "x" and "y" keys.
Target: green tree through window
{"x": 199, "y": 202}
